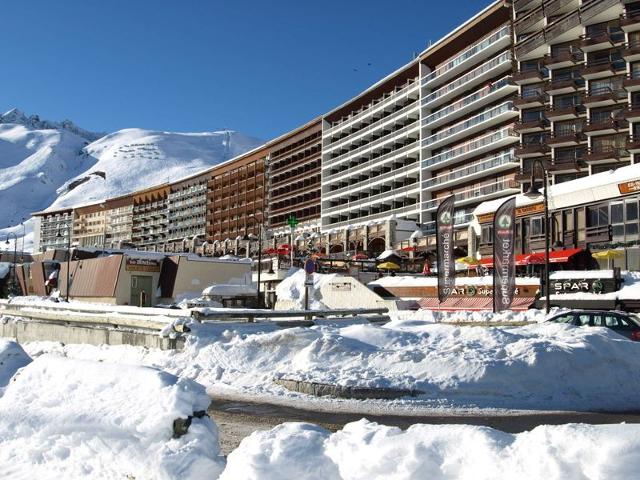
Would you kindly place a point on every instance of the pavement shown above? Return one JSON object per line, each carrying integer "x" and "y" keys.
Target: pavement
{"x": 238, "y": 419}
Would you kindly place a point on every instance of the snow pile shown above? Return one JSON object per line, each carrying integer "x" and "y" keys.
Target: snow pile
{"x": 12, "y": 357}
{"x": 291, "y": 289}
{"x": 367, "y": 451}
{"x": 470, "y": 316}
{"x": 629, "y": 290}
{"x": 542, "y": 366}
{"x": 64, "y": 418}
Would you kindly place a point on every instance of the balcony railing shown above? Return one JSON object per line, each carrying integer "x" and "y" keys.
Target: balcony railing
{"x": 476, "y": 49}
{"x": 477, "y": 192}
{"x": 471, "y": 147}
{"x": 506, "y": 159}
{"x": 476, "y": 120}
{"x": 502, "y": 59}
{"x": 466, "y": 101}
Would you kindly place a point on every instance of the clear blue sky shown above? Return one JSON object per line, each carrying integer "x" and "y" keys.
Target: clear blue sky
{"x": 260, "y": 67}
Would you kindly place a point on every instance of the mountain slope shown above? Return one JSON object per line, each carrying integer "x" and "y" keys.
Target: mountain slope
{"x": 52, "y": 165}
{"x": 133, "y": 159}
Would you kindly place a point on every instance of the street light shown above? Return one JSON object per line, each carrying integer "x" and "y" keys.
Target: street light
{"x": 253, "y": 237}
{"x": 59, "y": 235}
{"x": 534, "y": 192}
{"x": 15, "y": 245}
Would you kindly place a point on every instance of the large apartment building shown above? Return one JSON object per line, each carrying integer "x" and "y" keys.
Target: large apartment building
{"x": 467, "y": 118}
{"x": 578, "y": 76}
{"x": 554, "y": 80}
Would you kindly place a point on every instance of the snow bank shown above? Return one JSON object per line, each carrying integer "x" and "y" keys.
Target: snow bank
{"x": 469, "y": 316}
{"x": 12, "y": 357}
{"x": 366, "y": 451}
{"x": 63, "y": 418}
{"x": 291, "y": 289}
{"x": 543, "y": 366}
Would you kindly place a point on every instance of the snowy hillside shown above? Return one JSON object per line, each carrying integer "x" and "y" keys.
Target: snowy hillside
{"x": 133, "y": 159}
{"x": 47, "y": 164}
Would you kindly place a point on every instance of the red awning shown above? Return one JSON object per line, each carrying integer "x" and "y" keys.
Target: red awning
{"x": 557, "y": 256}
{"x": 408, "y": 249}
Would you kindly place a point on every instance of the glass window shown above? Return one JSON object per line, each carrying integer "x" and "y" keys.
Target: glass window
{"x": 568, "y": 318}
{"x": 584, "y": 319}
{"x": 617, "y": 213}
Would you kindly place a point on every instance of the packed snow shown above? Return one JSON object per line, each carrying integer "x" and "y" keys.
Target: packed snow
{"x": 544, "y": 366}
{"x": 364, "y": 450}
{"x": 12, "y": 358}
{"x": 63, "y": 418}
{"x": 292, "y": 289}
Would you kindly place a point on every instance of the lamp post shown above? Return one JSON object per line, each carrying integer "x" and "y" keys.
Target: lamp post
{"x": 15, "y": 245}
{"x": 534, "y": 192}
{"x": 250, "y": 238}
{"x": 59, "y": 235}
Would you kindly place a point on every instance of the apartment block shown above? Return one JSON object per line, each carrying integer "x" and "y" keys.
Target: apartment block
{"x": 89, "y": 226}
{"x": 187, "y": 220}
{"x": 53, "y": 229}
{"x": 295, "y": 176}
{"x": 467, "y": 118}
{"x": 371, "y": 153}
{"x": 119, "y": 222}
{"x": 150, "y": 218}
{"x": 579, "y": 80}
{"x": 236, "y": 202}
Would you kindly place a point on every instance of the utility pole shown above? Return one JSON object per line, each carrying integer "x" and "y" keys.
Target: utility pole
{"x": 292, "y": 221}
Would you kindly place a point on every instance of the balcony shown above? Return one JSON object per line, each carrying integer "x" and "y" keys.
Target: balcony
{"x": 475, "y": 124}
{"x": 497, "y": 188}
{"x": 566, "y": 139}
{"x": 632, "y": 83}
{"x": 531, "y": 99}
{"x": 476, "y": 100}
{"x": 531, "y": 150}
{"x": 569, "y": 112}
{"x": 601, "y": 97}
{"x": 531, "y": 126}
{"x": 563, "y": 59}
{"x": 606, "y": 155}
{"x": 534, "y": 75}
{"x": 473, "y": 148}
{"x": 486, "y": 47}
{"x": 476, "y": 170}
{"x": 630, "y": 21}
{"x": 598, "y": 234}
{"x": 632, "y": 114}
{"x": 604, "y": 127}
{"x": 595, "y": 70}
{"x": 601, "y": 41}
{"x": 567, "y": 164}
{"x": 530, "y": 21}
{"x": 633, "y": 144}
{"x": 520, "y": 5}
{"x": 631, "y": 52}
{"x": 486, "y": 71}
{"x": 566, "y": 85}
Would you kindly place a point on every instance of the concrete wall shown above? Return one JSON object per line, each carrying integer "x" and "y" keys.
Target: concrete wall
{"x": 68, "y": 334}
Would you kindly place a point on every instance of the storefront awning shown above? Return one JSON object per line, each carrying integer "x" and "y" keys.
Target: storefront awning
{"x": 472, "y": 303}
{"x": 556, "y": 256}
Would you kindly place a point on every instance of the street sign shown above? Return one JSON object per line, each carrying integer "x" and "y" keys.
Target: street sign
{"x": 309, "y": 266}
{"x": 292, "y": 221}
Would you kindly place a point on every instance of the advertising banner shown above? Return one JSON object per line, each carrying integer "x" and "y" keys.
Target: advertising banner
{"x": 445, "y": 246}
{"x": 504, "y": 255}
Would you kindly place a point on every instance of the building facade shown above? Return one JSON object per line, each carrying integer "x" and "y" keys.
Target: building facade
{"x": 150, "y": 219}
{"x": 187, "y": 214}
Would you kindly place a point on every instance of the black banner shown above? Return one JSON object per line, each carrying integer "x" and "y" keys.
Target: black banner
{"x": 504, "y": 255}
{"x": 445, "y": 246}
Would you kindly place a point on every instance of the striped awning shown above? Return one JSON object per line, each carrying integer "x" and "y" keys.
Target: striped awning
{"x": 556, "y": 256}
{"x": 472, "y": 303}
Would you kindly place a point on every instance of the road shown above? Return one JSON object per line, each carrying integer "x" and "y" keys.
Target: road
{"x": 237, "y": 420}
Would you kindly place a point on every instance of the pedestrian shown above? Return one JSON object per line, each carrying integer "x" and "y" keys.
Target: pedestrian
{"x": 52, "y": 281}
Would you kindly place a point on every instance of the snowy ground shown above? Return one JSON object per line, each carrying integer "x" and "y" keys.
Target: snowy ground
{"x": 541, "y": 366}
{"x": 366, "y": 451}
{"x": 62, "y": 418}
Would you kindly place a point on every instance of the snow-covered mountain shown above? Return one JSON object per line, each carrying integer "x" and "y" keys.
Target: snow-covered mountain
{"x": 47, "y": 164}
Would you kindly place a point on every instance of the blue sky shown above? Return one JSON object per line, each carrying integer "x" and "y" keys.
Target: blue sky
{"x": 259, "y": 67}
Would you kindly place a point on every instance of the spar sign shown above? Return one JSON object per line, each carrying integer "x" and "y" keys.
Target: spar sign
{"x": 504, "y": 276}
{"x": 445, "y": 245}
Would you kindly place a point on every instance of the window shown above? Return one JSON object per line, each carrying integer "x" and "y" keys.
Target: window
{"x": 566, "y": 101}
{"x": 598, "y": 216}
{"x": 568, "y": 318}
{"x": 486, "y": 236}
{"x": 570, "y": 127}
{"x": 583, "y": 319}
{"x": 532, "y": 115}
{"x": 537, "y": 226}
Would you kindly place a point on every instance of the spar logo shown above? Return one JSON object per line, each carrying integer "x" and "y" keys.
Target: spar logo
{"x": 445, "y": 218}
{"x": 504, "y": 221}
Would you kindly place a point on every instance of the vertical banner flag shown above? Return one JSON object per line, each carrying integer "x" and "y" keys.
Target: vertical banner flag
{"x": 504, "y": 255}
{"x": 444, "y": 239}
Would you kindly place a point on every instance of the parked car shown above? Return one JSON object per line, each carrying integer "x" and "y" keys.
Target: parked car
{"x": 624, "y": 323}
